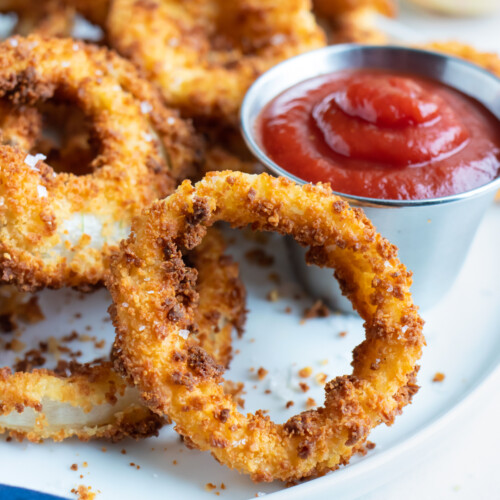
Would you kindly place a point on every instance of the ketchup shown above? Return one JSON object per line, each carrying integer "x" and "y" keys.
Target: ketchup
{"x": 382, "y": 135}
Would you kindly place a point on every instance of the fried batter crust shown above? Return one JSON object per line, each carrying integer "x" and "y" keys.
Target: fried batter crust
{"x": 94, "y": 401}
{"x": 178, "y": 378}
{"x": 204, "y": 54}
{"x": 59, "y": 229}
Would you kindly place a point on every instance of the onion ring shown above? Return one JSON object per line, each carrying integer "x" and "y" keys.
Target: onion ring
{"x": 204, "y": 54}
{"x": 59, "y": 229}
{"x": 180, "y": 379}
{"x": 93, "y": 401}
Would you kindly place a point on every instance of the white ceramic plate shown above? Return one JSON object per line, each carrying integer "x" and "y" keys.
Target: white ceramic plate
{"x": 463, "y": 343}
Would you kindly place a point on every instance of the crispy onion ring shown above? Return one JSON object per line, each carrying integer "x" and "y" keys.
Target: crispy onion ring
{"x": 180, "y": 379}
{"x": 59, "y": 229}
{"x": 93, "y": 401}
{"x": 45, "y": 18}
{"x": 204, "y": 54}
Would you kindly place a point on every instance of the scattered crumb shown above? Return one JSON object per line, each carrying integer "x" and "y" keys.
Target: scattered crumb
{"x": 259, "y": 257}
{"x": 289, "y": 404}
{"x": 305, "y": 372}
{"x": 251, "y": 341}
{"x": 88, "y": 328}
{"x": 74, "y": 467}
{"x": 288, "y": 310}
{"x": 438, "y": 377}
{"x": 100, "y": 344}
{"x": 174, "y": 462}
{"x": 323, "y": 362}
{"x": 15, "y": 345}
{"x": 85, "y": 464}
{"x": 124, "y": 451}
{"x": 317, "y": 310}
{"x": 222, "y": 486}
{"x": 78, "y": 315}
{"x": 273, "y": 295}
{"x": 267, "y": 391}
{"x": 261, "y": 373}
{"x": 342, "y": 334}
{"x": 104, "y": 449}
{"x": 370, "y": 445}
{"x": 210, "y": 487}
{"x": 84, "y": 492}
{"x": 310, "y": 403}
{"x": 237, "y": 351}
{"x": 321, "y": 378}
{"x": 304, "y": 386}
{"x": 251, "y": 369}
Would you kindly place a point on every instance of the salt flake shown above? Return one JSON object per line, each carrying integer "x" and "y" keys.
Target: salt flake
{"x": 184, "y": 334}
{"x": 42, "y": 191}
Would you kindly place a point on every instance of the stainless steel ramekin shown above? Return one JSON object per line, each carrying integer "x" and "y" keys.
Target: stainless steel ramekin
{"x": 433, "y": 236}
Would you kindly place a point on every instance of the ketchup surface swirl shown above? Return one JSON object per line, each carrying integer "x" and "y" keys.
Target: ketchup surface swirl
{"x": 382, "y": 135}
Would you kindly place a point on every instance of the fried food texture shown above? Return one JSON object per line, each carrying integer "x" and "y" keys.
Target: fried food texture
{"x": 58, "y": 229}
{"x": 204, "y": 54}
{"x": 178, "y": 378}
{"x": 93, "y": 401}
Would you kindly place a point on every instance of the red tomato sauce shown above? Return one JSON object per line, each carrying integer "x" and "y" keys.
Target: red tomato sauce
{"x": 382, "y": 135}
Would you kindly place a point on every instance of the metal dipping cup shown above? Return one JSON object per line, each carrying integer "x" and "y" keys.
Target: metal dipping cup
{"x": 433, "y": 235}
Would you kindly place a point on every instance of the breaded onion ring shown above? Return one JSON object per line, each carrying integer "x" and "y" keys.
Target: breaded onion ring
{"x": 178, "y": 378}
{"x": 45, "y": 18}
{"x": 93, "y": 401}
{"x": 204, "y": 54}
{"x": 59, "y": 229}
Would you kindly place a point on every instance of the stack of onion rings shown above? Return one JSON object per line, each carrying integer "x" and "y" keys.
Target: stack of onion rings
{"x": 93, "y": 401}
{"x": 178, "y": 378}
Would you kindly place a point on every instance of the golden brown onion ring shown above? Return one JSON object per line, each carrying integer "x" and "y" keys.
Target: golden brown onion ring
{"x": 93, "y": 401}
{"x": 204, "y": 54}
{"x": 59, "y": 229}
{"x": 178, "y": 378}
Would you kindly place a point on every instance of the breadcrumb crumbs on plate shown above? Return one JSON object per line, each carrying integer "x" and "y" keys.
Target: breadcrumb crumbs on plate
{"x": 174, "y": 462}
{"x": 303, "y": 386}
{"x": 289, "y": 404}
{"x": 310, "y": 403}
{"x": 438, "y": 377}
{"x": 124, "y": 451}
{"x": 323, "y": 362}
{"x": 261, "y": 373}
{"x": 273, "y": 295}
{"x": 267, "y": 391}
{"x": 210, "y": 487}
{"x": 85, "y": 464}
{"x": 305, "y": 372}
{"x": 222, "y": 486}
{"x": 343, "y": 334}
{"x": 317, "y": 310}
{"x": 104, "y": 449}
{"x": 288, "y": 310}
{"x": 321, "y": 378}
{"x": 74, "y": 467}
